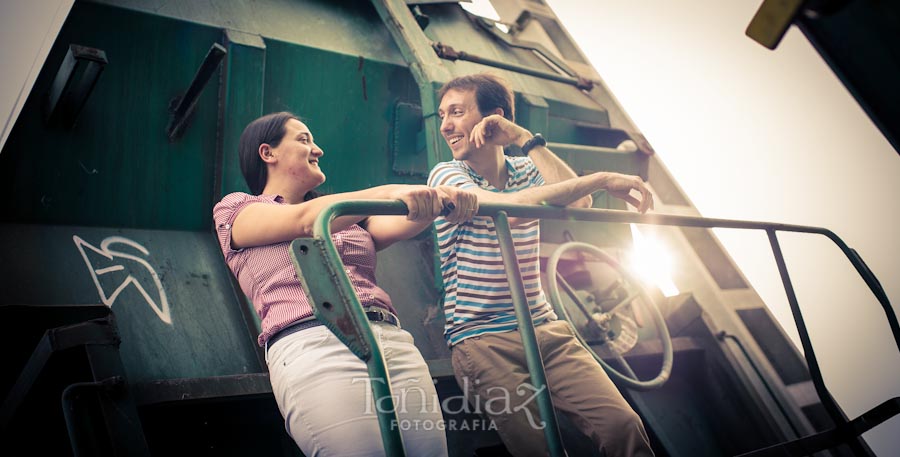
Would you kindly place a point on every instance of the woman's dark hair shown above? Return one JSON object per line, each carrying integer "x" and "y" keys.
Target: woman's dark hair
{"x": 491, "y": 92}
{"x": 269, "y": 129}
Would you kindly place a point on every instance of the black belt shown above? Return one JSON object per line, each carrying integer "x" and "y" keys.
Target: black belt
{"x": 374, "y": 315}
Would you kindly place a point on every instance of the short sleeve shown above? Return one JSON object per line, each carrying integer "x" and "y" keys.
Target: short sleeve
{"x": 450, "y": 174}
{"x": 224, "y": 214}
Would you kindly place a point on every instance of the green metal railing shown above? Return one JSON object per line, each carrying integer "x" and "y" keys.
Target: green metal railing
{"x": 335, "y": 303}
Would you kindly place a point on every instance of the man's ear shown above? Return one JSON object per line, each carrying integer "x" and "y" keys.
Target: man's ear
{"x": 265, "y": 153}
{"x": 499, "y": 111}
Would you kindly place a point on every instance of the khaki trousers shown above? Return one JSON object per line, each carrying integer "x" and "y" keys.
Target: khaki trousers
{"x": 492, "y": 372}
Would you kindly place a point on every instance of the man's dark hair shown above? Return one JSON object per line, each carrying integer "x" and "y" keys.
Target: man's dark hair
{"x": 491, "y": 92}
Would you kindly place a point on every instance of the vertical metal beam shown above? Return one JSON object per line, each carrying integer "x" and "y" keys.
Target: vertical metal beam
{"x": 426, "y": 68}
{"x": 429, "y": 72}
{"x": 119, "y": 410}
{"x": 809, "y": 353}
{"x": 529, "y": 339}
{"x": 336, "y": 304}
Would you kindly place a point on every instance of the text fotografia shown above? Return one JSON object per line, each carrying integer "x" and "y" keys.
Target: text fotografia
{"x": 452, "y": 425}
{"x": 492, "y": 401}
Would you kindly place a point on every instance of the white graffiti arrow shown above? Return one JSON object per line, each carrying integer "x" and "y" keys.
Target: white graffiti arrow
{"x": 161, "y": 309}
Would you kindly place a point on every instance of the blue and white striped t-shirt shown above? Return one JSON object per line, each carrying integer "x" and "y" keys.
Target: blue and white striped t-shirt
{"x": 477, "y": 298}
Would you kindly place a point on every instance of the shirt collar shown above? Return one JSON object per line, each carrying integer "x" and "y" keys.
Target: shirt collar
{"x": 510, "y": 169}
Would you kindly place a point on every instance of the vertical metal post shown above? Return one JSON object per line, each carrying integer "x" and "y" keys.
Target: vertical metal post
{"x": 824, "y": 396}
{"x": 425, "y": 66}
{"x": 120, "y": 413}
{"x": 387, "y": 418}
{"x": 529, "y": 339}
{"x": 375, "y": 364}
{"x": 428, "y": 71}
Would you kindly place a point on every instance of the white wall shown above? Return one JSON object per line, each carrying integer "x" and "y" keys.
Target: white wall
{"x": 27, "y": 31}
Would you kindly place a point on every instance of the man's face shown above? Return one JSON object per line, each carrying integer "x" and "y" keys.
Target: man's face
{"x": 459, "y": 114}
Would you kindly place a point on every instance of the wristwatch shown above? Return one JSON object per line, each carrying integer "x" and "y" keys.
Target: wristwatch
{"x": 536, "y": 140}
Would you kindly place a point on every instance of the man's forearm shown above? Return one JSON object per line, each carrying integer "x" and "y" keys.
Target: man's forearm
{"x": 554, "y": 171}
{"x": 562, "y": 193}
{"x": 552, "y": 168}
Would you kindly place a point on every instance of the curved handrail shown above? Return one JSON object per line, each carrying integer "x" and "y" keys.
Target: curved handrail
{"x": 322, "y": 231}
{"x": 359, "y": 207}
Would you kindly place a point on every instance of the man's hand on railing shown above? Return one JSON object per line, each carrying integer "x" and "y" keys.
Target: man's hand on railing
{"x": 424, "y": 203}
{"x": 620, "y": 186}
{"x": 462, "y": 204}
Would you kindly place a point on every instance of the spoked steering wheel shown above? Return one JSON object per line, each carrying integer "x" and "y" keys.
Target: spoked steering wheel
{"x": 611, "y": 326}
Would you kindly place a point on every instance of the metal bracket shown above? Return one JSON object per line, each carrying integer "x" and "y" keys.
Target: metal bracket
{"x": 75, "y": 80}
{"x": 182, "y": 107}
{"x": 448, "y": 53}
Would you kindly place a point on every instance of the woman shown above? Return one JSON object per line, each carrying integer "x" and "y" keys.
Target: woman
{"x": 322, "y": 389}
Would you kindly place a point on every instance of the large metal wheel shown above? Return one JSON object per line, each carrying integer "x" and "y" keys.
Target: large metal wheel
{"x": 609, "y": 325}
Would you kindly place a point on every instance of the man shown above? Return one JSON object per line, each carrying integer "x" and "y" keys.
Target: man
{"x": 488, "y": 359}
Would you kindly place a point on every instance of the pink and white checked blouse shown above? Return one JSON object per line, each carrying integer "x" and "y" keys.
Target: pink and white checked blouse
{"x": 267, "y": 276}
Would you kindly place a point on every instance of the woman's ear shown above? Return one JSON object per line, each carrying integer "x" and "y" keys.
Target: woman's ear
{"x": 265, "y": 153}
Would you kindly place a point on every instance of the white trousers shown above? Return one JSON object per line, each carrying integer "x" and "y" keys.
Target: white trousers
{"x": 325, "y": 395}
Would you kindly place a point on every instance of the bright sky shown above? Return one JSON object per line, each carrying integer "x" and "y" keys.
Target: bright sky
{"x": 773, "y": 136}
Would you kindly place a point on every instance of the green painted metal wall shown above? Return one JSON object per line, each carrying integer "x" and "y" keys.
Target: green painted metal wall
{"x": 116, "y": 167}
{"x": 349, "y": 104}
{"x": 116, "y": 173}
{"x": 116, "y": 177}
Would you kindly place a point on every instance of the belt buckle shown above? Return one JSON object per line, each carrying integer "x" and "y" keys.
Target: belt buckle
{"x": 376, "y": 315}
{"x": 380, "y": 315}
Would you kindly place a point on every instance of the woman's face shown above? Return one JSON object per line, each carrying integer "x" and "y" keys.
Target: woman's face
{"x": 298, "y": 155}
